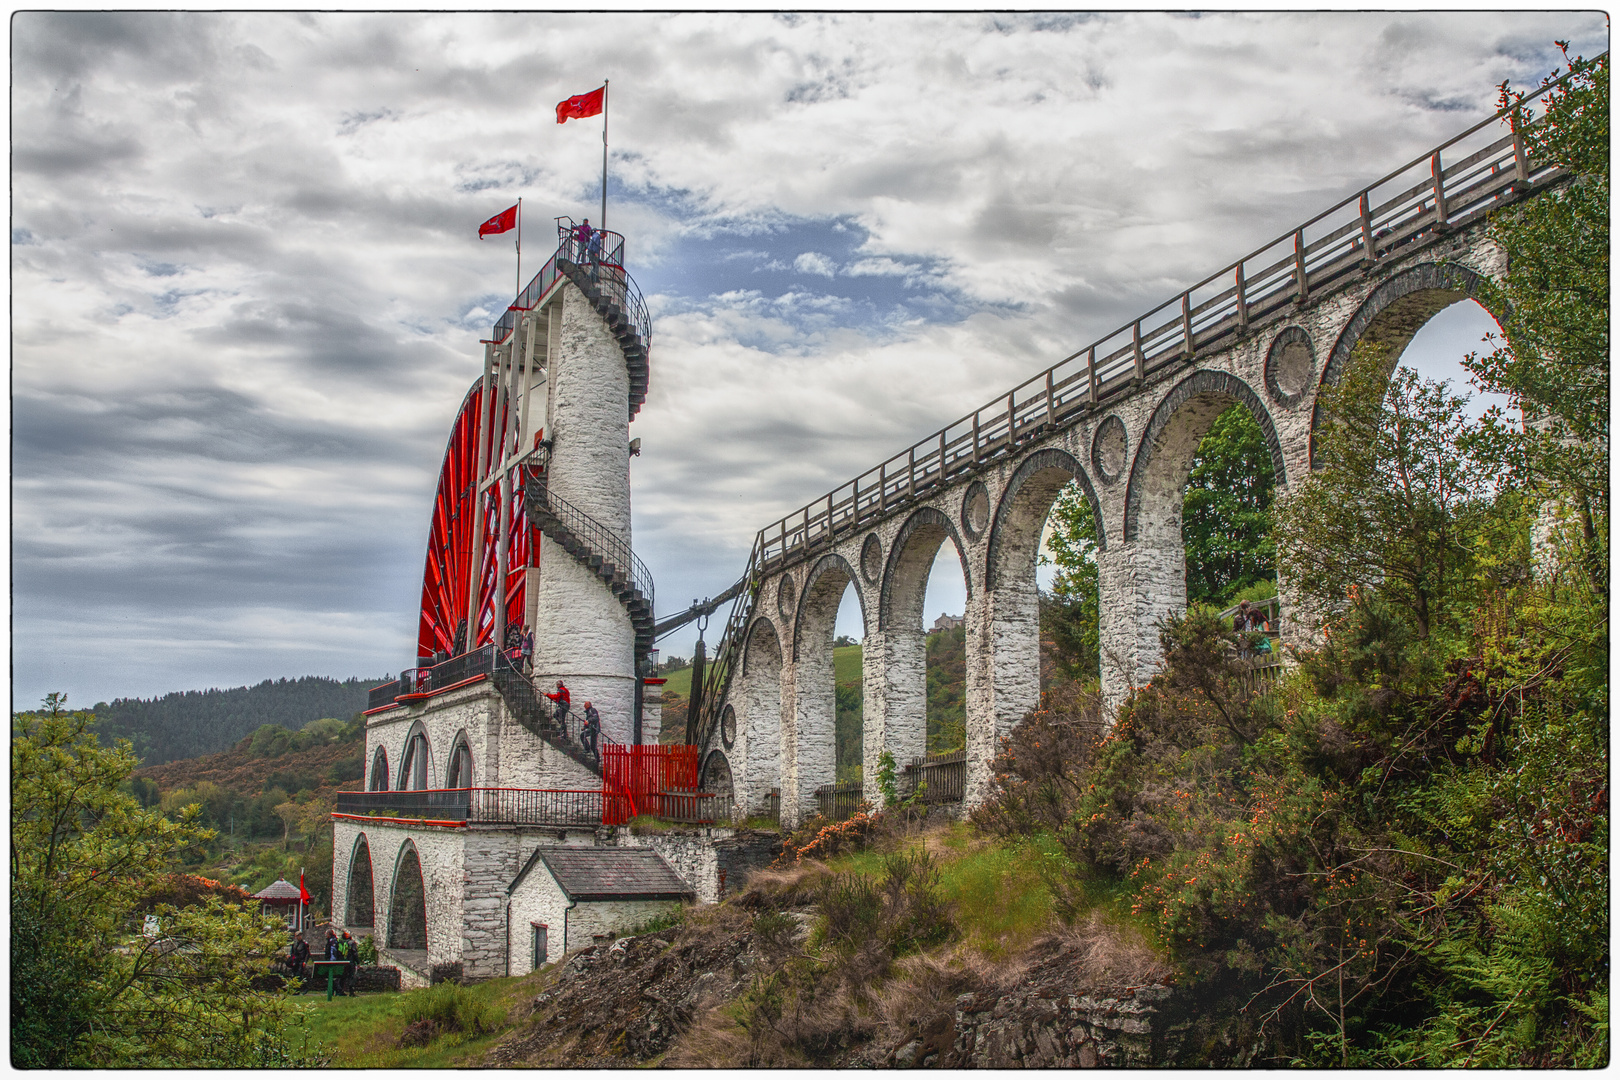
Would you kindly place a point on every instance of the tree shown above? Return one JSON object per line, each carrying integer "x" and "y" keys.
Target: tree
{"x": 1394, "y": 503}
{"x": 1555, "y": 363}
{"x": 87, "y": 989}
{"x": 1225, "y": 519}
{"x": 1070, "y": 614}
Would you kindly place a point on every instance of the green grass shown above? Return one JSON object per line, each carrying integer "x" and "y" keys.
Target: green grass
{"x": 679, "y": 682}
{"x": 847, "y": 665}
{"x": 999, "y": 900}
{"x": 361, "y": 1032}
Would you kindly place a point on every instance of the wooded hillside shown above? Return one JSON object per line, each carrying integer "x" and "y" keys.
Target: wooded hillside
{"x": 191, "y": 723}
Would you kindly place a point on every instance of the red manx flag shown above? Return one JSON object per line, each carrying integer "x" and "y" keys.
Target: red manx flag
{"x": 303, "y": 893}
{"x": 505, "y": 221}
{"x": 580, "y": 106}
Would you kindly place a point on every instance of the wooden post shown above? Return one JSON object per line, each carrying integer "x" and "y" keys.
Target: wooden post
{"x": 805, "y": 534}
{"x": 783, "y": 541}
{"x": 911, "y": 472}
{"x": 1366, "y": 229}
{"x": 975, "y": 436}
{"x": 1303, "y": 291}
{"x": 1186, "y": 324}
{"x": 1136, "y": 346}
{"x": 1521, "y": 161}
{"x": 1012, "y": 420}
{"x": 1242, "y": 301}
{"x": 829, "y": 517}
{"x": 1091, "y": 373}
{"x": 1438, "y": 172}
{"x": 942, "y": 455}
{"x": 1051, "y": 406}
{"x": 883, "y": 487}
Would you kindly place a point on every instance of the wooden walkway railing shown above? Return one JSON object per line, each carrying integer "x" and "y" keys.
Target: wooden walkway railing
{"x": 1423, "y": 199}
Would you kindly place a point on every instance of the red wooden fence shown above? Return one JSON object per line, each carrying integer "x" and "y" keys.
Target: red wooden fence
{"x": 653, "y": 780}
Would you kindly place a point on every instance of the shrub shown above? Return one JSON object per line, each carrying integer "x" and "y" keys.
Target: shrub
{"x": 450, "y": 1007}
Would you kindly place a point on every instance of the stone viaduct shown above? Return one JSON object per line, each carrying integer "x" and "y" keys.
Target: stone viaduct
{"x": 1122, "y": 418}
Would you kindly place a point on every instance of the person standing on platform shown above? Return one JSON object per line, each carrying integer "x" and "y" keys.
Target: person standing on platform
{"x": 528, "y": 650}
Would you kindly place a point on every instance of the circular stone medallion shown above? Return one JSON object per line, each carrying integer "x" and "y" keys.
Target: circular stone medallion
{"x": 784, "y": 597}
{"x": 976, "y": 509}
{"x": 1108, "y": 449}
{"x": 728, "y": 726}
{"x": 1290, "y": 366}
{"x": 872, "y": 559}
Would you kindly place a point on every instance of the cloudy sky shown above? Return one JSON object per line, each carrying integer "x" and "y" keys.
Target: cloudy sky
{"x": 247, "y": 289}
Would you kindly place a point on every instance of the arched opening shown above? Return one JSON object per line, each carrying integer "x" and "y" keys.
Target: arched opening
{"x": 811, "y": 747}
{"x": 1046, "y": 481}
{"x": 923, "y": 707}
{"x": 716, "y": 776}
{"x": 360, "y": 908}
{"x": 407, "y": 903}
{"x": 379, "y": 771}
{"x": 414, "y": 761}
{"x": 1436, "y": 351}
{"x": 459, "y": 769}
{"x": 760, "y": 730}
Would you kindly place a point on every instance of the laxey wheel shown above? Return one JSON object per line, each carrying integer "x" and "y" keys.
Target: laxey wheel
{"x": 450, "y": 541}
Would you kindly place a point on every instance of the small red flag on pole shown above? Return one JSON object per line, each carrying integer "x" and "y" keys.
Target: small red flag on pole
{"x": 580, "y": 106}
{"x": 505, "y": 221}
{"x": 303, "y": 893}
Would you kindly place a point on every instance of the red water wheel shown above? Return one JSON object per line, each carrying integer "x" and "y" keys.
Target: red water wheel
{"x": 451, "y": 542}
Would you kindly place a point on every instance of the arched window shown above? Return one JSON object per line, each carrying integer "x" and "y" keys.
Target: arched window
{"x": 379, "y": 771}
{"x": 413, "y": 769}
{"x": 460, "y": 770}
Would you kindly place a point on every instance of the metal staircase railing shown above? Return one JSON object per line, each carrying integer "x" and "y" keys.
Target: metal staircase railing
{"x": 728, "y": 654}
{"x": 601, "y": 550}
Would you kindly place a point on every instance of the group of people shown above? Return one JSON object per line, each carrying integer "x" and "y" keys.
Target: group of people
{"x": 589, "y": 731}
{"x": 519, "y": 646}
{"x": 1250, "y": 620}
{"x": 588, "y": 241}
{"x": 345, "y": 948}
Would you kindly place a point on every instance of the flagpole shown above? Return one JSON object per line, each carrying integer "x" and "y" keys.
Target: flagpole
{"x": 603, "y": 219}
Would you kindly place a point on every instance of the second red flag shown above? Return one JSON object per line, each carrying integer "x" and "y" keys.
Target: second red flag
{"x": 504, "y": 221}
{"x": 580, "y": 106}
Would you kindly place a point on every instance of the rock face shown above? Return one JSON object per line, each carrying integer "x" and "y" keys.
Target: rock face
{"x": 1048, "y": 1028}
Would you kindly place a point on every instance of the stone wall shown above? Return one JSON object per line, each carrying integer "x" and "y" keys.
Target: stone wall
{"x": 712, "y": 861}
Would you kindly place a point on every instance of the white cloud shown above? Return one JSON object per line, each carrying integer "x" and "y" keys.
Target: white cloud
{"x": 247, "y": 289}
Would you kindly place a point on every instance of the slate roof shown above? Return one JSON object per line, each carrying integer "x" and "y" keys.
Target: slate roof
{"x": 278, "y": 890}
{"x": 593, "y": 873}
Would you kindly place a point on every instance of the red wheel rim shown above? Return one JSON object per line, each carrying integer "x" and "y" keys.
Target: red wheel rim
{"x": 450, "y": 542}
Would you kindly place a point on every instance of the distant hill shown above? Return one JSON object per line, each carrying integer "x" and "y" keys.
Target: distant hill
{"x": 191, "y": 723}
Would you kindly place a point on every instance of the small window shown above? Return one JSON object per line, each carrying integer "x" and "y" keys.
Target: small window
{"x": 537, "y": 933}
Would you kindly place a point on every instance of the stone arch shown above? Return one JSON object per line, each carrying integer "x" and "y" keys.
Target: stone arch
{"x": 1021, "y": 513}
{"x": 911, "y": 556}
{"x": 1396, "y": 310}
{"x": 379, "y": 770}
{"x": 361, "y": 906}
{"x": 415, "y": 760}
{"x": 1178, "y": 425}
{"x": 407, "y": 902}
{"x": 755, "y": 628}
{"x": 826, "y": 583}
{"x": 458, "y": 768}
{"x": 716, "y": 775}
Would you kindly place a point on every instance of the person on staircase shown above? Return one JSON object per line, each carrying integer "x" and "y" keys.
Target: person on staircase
{"x": 528, "y": 650}
{"x": 591, "y": 730}
{"x": 560, "y": 700}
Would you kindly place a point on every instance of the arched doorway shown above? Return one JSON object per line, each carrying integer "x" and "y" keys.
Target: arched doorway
{"x": 414, "y": 761}
{"x": 379, "y": 771}
{"x": 407, "y": 903}
{"x": 359, "y": 911}
{"x": 459, "y": 770}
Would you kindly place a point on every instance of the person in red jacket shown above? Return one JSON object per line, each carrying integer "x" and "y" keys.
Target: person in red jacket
{"x": 560, "y": 699}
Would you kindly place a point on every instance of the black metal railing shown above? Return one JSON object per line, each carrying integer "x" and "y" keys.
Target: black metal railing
{"x": 491, "y": 806}
{"x": 1411, "y": 205}
{"x": 425, "y": 679}
{"x": 836, "y": 802}
{"x": 942, "y": 777}
{"x": 603, "y": 262}
{"x": 612, "y": 548}
{"x": 378, "y": 696}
